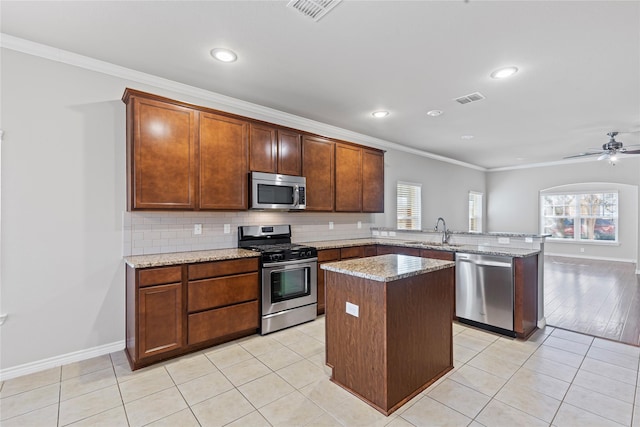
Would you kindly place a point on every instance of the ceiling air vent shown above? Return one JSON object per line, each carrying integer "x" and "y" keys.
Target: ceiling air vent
{"x": 472, "y": 97}
{"x": 314, "y": 9}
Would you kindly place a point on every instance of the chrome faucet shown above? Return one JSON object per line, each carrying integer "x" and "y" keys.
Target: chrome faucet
{"x": 446, "y": 234}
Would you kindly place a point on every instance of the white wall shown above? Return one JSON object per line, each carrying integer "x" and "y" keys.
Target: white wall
{"x": 513, "y": 203}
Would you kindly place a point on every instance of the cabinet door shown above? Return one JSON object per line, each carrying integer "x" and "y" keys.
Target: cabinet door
{"x": 223, "y": 162}
{"x": 159, "y": 319}
{"x": 398, "y": 250}
{"x": 318, "y": 167}
{"x": 161, "y": 155}
{"x": 348, "y": 178}
{"x": 372, "y": 181}
{"x": 289, "y": 153}
{"x": 263, "y": 150}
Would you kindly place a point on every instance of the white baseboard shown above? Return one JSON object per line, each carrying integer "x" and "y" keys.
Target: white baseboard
{"x": 631, "y": 260}
{"x": 64, "y": 359}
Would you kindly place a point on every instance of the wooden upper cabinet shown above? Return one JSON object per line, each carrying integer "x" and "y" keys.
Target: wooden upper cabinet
{"x": 289, "y": 152}
{"x": 372, "y": 181}
{"x": 348, "y": 178}
{"x": 263, "y": 148}
{"x": 161, "y": 155}
{"x": 223, "y": 162}
{"x": 318, "y": 167}
{"x": 274, "y": 150}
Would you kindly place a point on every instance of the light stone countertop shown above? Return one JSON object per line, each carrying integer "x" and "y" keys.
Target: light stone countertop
{"x": 387, "y": 268}
{"x": 159, "y": 260}
{"x": 473, "y": 249}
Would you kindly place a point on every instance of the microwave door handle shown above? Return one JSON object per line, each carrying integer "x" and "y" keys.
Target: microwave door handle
{"x": 296, "y": 195}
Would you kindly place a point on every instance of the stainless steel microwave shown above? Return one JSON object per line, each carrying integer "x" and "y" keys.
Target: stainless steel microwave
{"x": 274, "y": 191}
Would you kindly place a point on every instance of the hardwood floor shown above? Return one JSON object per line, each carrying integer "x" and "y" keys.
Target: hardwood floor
{"x": 599, "y": 298}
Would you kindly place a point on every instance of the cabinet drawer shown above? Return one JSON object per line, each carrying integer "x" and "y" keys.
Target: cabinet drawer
{"x": 328, "y": 255}
{"x": 436, "y": 254}
{"x": 211, "y": 293}
{"x": 222, "y": 268}
{"x": 352, "y": 252}
{"x": 159, "y": 276}
{"x": 217, "y": 323}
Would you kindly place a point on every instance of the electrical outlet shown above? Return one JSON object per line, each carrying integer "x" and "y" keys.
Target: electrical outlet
{"x": 375, "y": 232}
{"x": 353, "y": 309}
{"x": 330, "y": 225}
{"x": 384, "y": 233}
{"x": 503, "y": 240}
{"x": 197, "y": 228}
{"x": 227, "y": 228}
{"x": 581, "y": 249}
{"x": 392, "y": 234}
{"x": 528, "y": 239}
{"x": 359, "y": 224}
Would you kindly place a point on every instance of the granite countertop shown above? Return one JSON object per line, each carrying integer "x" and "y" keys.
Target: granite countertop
{"x": 159, "y": 260}
{"x": 387, "y": 268}
{"x": 468, "y": 233}
{"x": 473, "y": 249}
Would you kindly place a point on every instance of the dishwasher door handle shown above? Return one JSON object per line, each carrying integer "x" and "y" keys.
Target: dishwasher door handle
{"x": 493, "y": 264}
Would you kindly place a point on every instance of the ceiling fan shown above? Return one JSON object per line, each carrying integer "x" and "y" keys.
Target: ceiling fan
{"x": 609, "y": 151}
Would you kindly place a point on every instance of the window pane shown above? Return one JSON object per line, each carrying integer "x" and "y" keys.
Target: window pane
{"x": 596, "y": 213}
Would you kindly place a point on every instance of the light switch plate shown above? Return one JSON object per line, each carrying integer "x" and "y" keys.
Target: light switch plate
{"x": 227, "y": 228}
{"x": 528, "y": 239}
{"x": 197, "y": 228}
{"x": 359, "y": 224}
{"x": 392, "y": 234}
{"x": 353, "y": 309}
{"x": 375, "y": 233}
{"x": 503, "y": 240}
{"x": 384, "y": 233}
{"x": 330, "y": 225}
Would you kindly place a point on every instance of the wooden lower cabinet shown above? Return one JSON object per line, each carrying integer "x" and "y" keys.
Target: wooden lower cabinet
{"x": 436, "y": 254}
{"x": 160, "y": 319}
{"x": 400, "y": 250}
{"x": 525, "y": 310}
{"x": 171, "y": 311}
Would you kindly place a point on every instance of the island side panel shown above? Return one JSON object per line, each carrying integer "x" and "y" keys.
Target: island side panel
{"x": 355, "y": 346}
{"x": 419, "y": 311}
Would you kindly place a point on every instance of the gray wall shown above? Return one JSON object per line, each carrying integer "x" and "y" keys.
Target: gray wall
{"x": 63, "y": 205}
{"x": 445, "y": 188}
{"x": 513, "y": 202}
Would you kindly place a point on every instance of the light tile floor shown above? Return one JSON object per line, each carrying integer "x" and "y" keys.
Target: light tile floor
{"x": 556, "y": 378}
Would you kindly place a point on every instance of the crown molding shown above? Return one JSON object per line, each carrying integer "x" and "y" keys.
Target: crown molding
{"x": 232, "y": 105}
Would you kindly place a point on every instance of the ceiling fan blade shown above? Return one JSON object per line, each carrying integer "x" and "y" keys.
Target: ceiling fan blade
{"x": 604, "y": 156}
{"x": 630, "y": 152}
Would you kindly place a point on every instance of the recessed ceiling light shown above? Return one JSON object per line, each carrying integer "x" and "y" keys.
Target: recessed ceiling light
{"x": 434, "y": 113}
{"x": 503, "y": 73}
{"x": 224, "y": 55}
{"x": 380, "y": 114}
{"x": 466, "y": 137}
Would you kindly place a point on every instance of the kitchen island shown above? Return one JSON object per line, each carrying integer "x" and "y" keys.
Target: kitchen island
{"x": 388, "y": 326}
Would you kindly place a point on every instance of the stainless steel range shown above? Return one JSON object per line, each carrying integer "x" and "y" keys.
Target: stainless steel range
{"x": 289, "y": 276}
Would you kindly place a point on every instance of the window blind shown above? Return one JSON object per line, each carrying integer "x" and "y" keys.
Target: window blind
{"x": 409, "y": 206}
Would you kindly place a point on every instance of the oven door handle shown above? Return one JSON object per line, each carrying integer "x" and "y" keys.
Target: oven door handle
{"x": 288, "y": 263}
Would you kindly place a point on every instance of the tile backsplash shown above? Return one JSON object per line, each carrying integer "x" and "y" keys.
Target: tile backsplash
{"x": 163, "y": 232}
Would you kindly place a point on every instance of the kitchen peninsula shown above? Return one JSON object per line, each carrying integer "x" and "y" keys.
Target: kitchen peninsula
{"x": 388, "y": 326}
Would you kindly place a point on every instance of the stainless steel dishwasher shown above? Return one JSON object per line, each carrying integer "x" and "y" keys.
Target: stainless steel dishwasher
{"x": 484, "y": 291}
